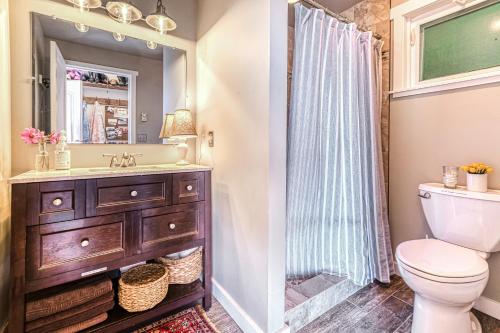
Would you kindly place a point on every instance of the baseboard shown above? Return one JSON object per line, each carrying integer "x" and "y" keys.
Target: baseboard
{"x": 284, "y": 329}
{"x": 488, "y": 306}
{"x": 244, "y": 321}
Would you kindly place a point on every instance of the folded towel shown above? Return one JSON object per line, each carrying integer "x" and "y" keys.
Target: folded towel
{"x": 83, "y": 325}
{"x": 72, "y": 316}
{"x": 65, "y": 297}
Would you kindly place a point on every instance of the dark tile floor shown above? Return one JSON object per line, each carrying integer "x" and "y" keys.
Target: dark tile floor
{"x": 379, "y": 309}
{"x": 373, "y": 309}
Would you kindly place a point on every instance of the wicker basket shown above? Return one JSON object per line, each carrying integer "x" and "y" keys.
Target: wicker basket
{"x": 184, "y": 270}
{"x": 142, "y": 287}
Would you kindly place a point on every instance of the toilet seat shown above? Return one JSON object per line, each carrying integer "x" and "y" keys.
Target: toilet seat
{"x": 439, "y": 261}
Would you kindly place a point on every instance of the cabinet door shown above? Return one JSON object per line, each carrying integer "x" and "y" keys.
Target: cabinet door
{"x": 61, "y": 247}
{"x": 55, "y": 202}
{"x": 188, "y": 187}
{"x": 162, "y": 227}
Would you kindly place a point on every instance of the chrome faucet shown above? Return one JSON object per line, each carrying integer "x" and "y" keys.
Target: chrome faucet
{"x": 127, "y": 160}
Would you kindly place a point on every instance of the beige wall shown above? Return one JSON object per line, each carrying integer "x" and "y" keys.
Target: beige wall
{"x": 82, "y": 155}
{"x": 4, "y": 160}
{"x": 449, "y": 128}
{"x": 242, "y": 98}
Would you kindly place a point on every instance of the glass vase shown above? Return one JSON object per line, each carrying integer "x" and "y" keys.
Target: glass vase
{"x": 42, "y": 158}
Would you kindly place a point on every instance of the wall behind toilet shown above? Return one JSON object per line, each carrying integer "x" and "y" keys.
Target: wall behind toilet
{"x": 453, "y": 127}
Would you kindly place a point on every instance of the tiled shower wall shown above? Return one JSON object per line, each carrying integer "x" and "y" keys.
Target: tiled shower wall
{"x": 371, "y": 15}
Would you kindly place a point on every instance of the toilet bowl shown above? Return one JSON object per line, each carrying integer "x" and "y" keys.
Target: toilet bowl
{"x": 446, "y": 279}
{"x": 449, "y": 273}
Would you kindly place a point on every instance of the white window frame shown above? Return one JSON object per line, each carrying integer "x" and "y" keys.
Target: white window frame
{"x": 408, "y": 19}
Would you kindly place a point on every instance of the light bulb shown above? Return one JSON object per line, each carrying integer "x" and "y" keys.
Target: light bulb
{"x": 152, "y": 45}
{"x": 123, "y": 11}
{"x": 119, "y": 37}
{"x": 86, "y": 4}
{"x": 160, "y": 20}
{"x": 81, "y": 27}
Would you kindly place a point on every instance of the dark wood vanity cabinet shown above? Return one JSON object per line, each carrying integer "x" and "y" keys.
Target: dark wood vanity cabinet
{"x": 64, "y": 231}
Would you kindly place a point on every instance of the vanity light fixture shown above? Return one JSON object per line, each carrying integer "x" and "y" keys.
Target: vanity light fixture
{"x": 81, "y": 27}
{"x": 151, "y": 45}
{"x": 123, "y": 11}
{"x": 119, "y": 37}
{"x": 160, "y": 20}
{"x": 86, "y": 4}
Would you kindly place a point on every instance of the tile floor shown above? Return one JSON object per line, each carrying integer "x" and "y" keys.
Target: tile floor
{"x": 373, "y": 309}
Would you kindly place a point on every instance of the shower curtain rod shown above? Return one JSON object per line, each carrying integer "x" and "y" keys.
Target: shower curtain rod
{"x": 341, "y": 18}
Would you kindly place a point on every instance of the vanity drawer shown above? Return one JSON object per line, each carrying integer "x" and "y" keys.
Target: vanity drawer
{"x": 161, "y": 226}
{"x": 66, "y": 246}
{"x": 188, "y": 187}
{"x": 55, "y": 202}
{"x": 114, "y": 195}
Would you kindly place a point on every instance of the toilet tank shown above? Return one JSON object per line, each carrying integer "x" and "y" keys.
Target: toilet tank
{"x": 462, "y": 217}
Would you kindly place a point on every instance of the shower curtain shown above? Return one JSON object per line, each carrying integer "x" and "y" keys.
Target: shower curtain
{"x": 336, "y": 203}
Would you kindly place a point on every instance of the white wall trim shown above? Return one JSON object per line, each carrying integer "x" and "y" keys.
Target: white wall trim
{"x": 488, "y": 306}
{"x": 244, "y": 321}
{"x": 408, "y": 19}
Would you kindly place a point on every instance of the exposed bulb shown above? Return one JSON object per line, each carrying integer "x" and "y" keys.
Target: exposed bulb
{"x": 119, "y": 37}
{"x": 81, "y": 27}
{"x": 152, "y": 45}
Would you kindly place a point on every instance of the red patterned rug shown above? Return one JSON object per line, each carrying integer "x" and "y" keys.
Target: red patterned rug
{"x": 193, "y": 320}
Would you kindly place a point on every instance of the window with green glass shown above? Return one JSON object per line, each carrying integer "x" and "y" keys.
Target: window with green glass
{"x": 464, "y": 42}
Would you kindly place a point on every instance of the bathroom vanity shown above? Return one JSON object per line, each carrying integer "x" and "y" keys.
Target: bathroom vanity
{"x": 69, "y": 225}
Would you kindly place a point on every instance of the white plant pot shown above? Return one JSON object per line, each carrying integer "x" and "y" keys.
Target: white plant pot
{"x": 477, "y": 183}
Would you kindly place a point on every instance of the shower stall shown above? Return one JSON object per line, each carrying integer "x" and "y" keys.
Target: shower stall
{"x": 337, "y": 225}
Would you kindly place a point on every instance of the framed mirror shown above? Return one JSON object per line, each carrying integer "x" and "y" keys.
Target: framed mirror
{"x": 103, "y": 87}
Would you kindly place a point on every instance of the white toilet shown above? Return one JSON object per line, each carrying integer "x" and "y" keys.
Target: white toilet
{"x": 449, "y": 273}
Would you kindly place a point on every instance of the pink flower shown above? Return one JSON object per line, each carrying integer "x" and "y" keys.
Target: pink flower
{"x": 31, "y": 135}
{"x": 55, "y": 137}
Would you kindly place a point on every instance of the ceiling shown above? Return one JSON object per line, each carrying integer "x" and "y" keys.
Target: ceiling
{"x": 63, "y": 30}
{"x": 336, "y": 6}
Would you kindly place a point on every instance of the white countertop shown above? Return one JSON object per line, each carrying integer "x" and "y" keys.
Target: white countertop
{"x": 103, "y": 172}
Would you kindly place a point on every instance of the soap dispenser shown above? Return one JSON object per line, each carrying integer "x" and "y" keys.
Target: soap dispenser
{"x": 62, "y": 154}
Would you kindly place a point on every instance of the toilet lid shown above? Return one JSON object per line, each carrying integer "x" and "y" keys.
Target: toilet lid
{"x": 441, "y": 259}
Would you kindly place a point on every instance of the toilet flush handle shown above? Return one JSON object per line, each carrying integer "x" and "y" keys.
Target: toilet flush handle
{"x": 426, "y": 195}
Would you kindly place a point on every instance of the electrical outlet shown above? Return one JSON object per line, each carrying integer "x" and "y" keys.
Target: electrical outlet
{"x": 211, "y": 140}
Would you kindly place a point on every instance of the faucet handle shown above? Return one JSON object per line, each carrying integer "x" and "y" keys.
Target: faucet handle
{"x": 132, "y": 162}
{"x": 114, "y": 159}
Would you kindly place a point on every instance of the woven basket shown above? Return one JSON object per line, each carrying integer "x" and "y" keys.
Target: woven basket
{"x": 184, "y": 270}
{"x": 142, "y": 287}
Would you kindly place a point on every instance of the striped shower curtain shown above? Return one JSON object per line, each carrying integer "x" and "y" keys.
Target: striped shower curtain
{"x": 336, "y": 201}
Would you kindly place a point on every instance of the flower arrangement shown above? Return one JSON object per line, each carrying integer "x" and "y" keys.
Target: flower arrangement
{"x": 35, "y": 136}
{"x": 477, "y": 169}
{"x": 477, "y": 176}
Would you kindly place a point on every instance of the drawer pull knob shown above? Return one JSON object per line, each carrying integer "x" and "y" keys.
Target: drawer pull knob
{"x": 85, "y": 242}
{"x": 57, "y": 202}
{"x": 172, "y": 226}
{"x": 189, "y": 187}
{"x": 134, "y": 193}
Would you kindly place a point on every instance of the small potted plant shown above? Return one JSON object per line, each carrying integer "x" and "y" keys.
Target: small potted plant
{"x": 477, "y": 176}
{"x": 35, "y": 136}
